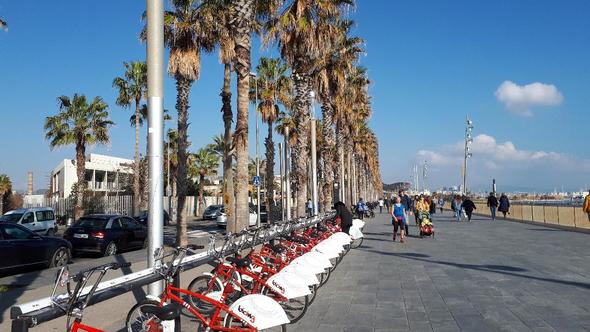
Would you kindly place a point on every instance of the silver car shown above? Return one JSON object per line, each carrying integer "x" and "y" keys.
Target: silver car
{"x": 38, "y": 220}
{"x": 222, "y": 218}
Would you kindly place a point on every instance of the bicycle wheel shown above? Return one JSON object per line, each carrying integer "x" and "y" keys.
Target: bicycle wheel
{"x": 357, "y": 243}
{"x": 137, "y": 321}
{"x": 232, "y": 322}
{"x": 203, "y": 285}
{"x": 294, "y": 308}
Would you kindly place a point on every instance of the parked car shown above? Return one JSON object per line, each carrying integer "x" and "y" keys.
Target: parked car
{"x": 106, "y": 234}
{"x": 38, "y": 220}
{"x": 20, "y": 247}
{"x": 222, "y": 218}
{"x": 142, "y": 218}
{"x": 211, "y": 212}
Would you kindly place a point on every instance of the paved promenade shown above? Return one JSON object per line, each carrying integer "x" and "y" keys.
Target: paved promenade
{"x": 478, "y": 276}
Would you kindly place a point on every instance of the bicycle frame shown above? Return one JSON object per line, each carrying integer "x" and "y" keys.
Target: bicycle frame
{"x": 219, "y": 308}
{"x": 77, "y": 326}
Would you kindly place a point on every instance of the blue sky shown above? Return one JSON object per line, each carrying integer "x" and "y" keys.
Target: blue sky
{"x": 431, "y": 63}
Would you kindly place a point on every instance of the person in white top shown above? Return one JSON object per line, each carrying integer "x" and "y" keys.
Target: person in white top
{"x": 381, "y": 204}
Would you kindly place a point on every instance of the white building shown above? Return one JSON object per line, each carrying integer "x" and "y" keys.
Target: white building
{"x": 103, "y": 174}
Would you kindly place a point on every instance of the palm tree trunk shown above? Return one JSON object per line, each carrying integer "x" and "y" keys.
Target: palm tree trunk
{"x": 80, "y": 172}
{"x": 136, "y": 187}
{"x": 270, "y": 175}
{"x": 241, "y": 19}
{"x": 301, "y": 115}
{"x": 2, "y": 202}
{"x": 228, "y": 174}
{"x": 328, "y": 154}
{"x": 183, "y": 86}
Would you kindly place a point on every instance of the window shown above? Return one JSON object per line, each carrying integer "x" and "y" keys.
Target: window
{"x": 12, "y": 232}
{"x": 92, "y": 222}
{"x": 128, "y": 223}
{"x": 45, "y": 215}
{"x": 116, "y": 223}
{"x": 28, "y": 218}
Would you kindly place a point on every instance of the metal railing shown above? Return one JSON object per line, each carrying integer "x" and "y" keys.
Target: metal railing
{"x": 31, "y": 314}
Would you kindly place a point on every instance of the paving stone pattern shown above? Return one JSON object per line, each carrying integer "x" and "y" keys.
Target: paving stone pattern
{"x": 478, "y": 276}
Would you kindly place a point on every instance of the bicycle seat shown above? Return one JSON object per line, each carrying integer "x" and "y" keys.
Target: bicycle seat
{"x": 239, "y": 262}
{"x": 167, "y": 312}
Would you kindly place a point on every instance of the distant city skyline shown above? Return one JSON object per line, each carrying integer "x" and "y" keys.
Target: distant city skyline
{"x": 520, "y": 71}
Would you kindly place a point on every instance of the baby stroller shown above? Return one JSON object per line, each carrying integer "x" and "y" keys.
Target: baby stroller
{"x": 425, "y": 225}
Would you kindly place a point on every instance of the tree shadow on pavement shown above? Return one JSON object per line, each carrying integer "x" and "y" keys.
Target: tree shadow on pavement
{"x": 501, "y": 269}
{"x": 14, "y": 289}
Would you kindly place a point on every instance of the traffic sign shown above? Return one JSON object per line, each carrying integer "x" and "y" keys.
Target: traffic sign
{"x": 256, "y": 181}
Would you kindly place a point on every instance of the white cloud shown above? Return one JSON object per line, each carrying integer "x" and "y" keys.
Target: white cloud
{"x": 520, "y": 99}
{"x": 504, "y": 160}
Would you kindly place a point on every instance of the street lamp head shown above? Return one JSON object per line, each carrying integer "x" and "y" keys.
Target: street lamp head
{"x": 469, "y": 122}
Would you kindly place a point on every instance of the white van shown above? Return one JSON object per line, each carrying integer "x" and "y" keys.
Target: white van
{"x": 39, "y": 220}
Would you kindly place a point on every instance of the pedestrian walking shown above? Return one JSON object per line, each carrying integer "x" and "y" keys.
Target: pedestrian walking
{"x": 504, "y": 205}
{"x": 360, "y": 209}
{"x": 456, "y": 206}
{"x": 493, "y": 204}
{"x": 344, "y": 215}
{"x": 468, "y": 206}
{"x": 587, "y": 204}
{"x": 441, "y": 203}
{"x": 309, "y": 206}
{"x": 432, "y": 203}
{"x": 399, "y": 218}
{"x": 408, "y": 205}
{"x": 381, "y": 204}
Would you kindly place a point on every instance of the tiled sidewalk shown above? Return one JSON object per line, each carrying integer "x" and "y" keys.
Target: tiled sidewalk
{"x": 478, "y": 276}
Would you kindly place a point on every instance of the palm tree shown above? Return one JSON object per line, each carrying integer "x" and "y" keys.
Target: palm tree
{"x": 5, "y": 187}
{"x": 132, "y": 88}
{"x": 204, "y": 163}
{"x": 273, "y": 88}
{"x": 305, "y": 31}
{"x": 330, "y": 81}
{"x": 188, "y": 28}
{"x": 81, "y": 124}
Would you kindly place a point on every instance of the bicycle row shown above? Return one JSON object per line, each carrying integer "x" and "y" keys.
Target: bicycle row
{"x": 262, "y": 279}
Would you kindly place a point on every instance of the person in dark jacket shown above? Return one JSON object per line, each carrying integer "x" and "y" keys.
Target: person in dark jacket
{"x": 406, "y": 201}
{"x": 493, "y": 204}
{"x": 504, "y": 206}
{"x": 468, "y": 206}
{"x": 345, "y": 216}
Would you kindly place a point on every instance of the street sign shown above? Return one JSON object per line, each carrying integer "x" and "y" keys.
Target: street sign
{"x": 256, "y": 181}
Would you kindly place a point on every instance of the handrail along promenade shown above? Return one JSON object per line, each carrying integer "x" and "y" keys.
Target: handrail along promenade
{"x": 31, "y": 314}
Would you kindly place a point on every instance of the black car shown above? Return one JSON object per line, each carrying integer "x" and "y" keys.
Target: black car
{"x": 143, "y": 218}
{"x": 106, "y": 234}
{"x": 21, "y": 247}
{"x": 212, "y": 211}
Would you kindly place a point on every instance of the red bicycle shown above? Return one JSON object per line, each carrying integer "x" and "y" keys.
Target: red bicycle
{"x": 247, "y": 314}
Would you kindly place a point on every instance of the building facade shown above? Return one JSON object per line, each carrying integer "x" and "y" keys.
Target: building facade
{"x": 104, "y": 174}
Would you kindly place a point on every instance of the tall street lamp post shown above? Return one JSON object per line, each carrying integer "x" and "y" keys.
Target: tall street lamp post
{"x": 255, "y": 76}
{"x": 155, "y": 92}
{"x": 467, "y": 155}
{"x": 314, "y": 168}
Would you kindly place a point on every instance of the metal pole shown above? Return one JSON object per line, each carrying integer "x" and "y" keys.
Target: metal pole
{"x": 155, "y": 88}
{"x": 287, "y": 174}
{"x": 314, "y": 168}
{"x": 257, "y": 150}
{"x": 341, "y": 186}
{"x": 168, "y": 191}
{"x": 282, "y": 171}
